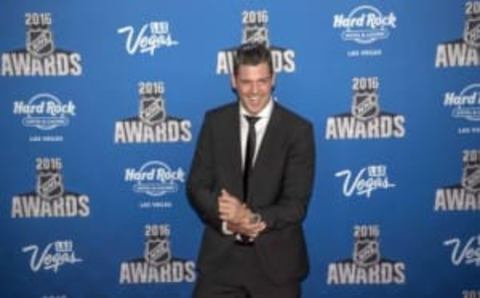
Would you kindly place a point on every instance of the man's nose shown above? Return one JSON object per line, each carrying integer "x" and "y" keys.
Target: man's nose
{"x": 254, "y": 88}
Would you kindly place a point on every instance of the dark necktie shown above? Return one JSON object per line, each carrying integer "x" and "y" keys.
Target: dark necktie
{"x": 249, "y": 153}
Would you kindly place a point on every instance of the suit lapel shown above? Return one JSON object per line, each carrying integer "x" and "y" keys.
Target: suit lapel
{"x": 269, "y": 142}
{"x": 234, "y": 150}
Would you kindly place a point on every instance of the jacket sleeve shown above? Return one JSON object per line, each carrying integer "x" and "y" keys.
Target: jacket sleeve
{"x": 291, "y": 205}
{"x": 200, "y": 184}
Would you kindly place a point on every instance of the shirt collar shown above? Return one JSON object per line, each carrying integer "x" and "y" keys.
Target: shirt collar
{"x": 265, "y": 113}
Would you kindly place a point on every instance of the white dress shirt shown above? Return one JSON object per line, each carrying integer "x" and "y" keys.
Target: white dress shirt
{"x": 260, "y": 128}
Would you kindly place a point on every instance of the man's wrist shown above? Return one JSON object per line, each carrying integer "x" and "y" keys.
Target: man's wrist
{"x": 255, "y": 218}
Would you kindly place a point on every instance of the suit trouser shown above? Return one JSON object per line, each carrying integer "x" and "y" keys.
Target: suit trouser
{"x": 240, "y": 277}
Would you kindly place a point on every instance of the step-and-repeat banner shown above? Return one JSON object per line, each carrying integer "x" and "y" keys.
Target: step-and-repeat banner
{"x": 100, "y": 108}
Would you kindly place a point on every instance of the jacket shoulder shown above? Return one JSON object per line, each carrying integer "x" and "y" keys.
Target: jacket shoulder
{"x": 222, "y": 111}
{"x": 292, "y": 118}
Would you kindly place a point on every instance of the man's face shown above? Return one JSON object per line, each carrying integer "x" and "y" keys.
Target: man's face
{"x": 254, "y": 86}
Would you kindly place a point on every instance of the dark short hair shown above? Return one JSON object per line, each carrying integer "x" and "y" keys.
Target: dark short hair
{"x": 252, "y": 54}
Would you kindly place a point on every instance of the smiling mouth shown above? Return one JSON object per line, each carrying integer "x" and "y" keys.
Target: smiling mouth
{"x": 254, "y": 102}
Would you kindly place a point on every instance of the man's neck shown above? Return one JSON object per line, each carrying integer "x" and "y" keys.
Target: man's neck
{"x": 265, "y": 112}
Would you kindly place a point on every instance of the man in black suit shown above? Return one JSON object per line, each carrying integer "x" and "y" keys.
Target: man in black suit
{"x": 250, "y": 182}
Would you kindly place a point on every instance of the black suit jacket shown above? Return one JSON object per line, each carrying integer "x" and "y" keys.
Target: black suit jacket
{"x": 280, "y": 188}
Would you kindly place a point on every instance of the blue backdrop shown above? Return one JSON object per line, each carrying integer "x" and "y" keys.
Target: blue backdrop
{"x": 100, "y": 108}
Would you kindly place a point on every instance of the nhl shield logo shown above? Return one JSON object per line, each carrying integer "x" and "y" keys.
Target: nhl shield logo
{"x": 40, "y": 42}
{"x": 152, "y": 110}
{"x": 366, "y": 252}
{"x": 157, "y": 251}
{"x": 257, "y": 34}
{"x": 49, "y": 186}
{"x": 471, "y": 33}
{"x": 471, "y": 177}
{"x": 365, "y": 105}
